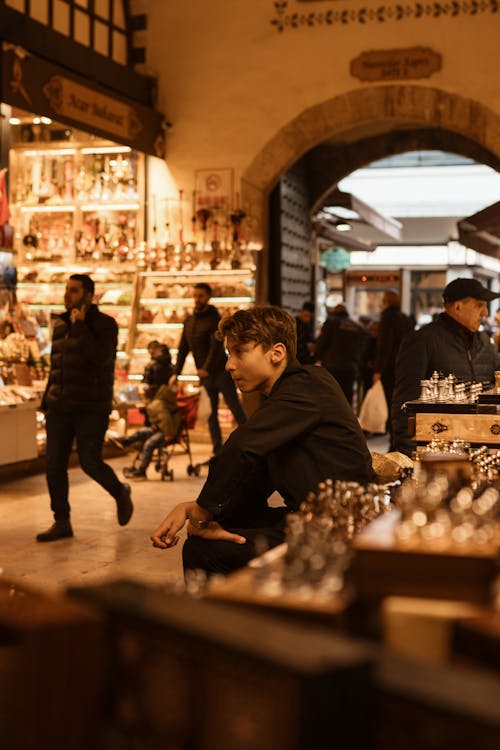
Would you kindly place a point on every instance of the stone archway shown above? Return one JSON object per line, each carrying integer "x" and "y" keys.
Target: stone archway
{"x": 360, "y": 115}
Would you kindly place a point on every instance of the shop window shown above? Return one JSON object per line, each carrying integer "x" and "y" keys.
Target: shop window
{"x": 39, "y": 10}
{"x": 119, "y": 47}
{"x": 60, "y": 17}
{"x": 16, "y": 4}
{"x": 100, "y": 24}
{"x": 100, "y": 38}
{"x": 82, "y": 28}
{"x": 101, "y": 9}
{"x": 118, "y": 15}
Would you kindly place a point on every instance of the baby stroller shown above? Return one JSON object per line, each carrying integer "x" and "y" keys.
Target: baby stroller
{"x": 188, "y": 408}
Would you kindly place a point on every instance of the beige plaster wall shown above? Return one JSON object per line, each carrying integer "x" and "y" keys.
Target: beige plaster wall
{"x": 229, "y": 81}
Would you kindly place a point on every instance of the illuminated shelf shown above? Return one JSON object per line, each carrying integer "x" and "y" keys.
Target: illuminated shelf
{"x": 151, "y": 326}
{"x": 150, "y": 302}
{"x": 110, "y": 206}
{"x": 85, "y": 207}
{"x": 49, "y": 284}
{"x": 45, "y": 306}
{"x": 50, "y": 209}
{"x": 224, "y": 272}
{"x": 184, "y": 378}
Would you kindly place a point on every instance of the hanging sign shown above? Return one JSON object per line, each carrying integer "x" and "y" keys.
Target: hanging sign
{"x": 40, "y": 87}
{"x": 335, "y": 259}
{"x": 396, "y": 64}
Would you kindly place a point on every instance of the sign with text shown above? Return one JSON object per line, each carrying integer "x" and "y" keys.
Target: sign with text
{"x": 214, "y": 189}
{"x": 40, "y": 87}
{"x": 396, "y": 64}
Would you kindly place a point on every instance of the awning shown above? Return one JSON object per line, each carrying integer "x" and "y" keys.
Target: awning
{"x": 362, "y": 227}
{"x": 481, "y": 231}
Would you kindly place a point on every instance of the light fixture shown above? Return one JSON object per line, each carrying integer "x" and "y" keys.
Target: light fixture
{"x": 36, "y": 121}
{"x": 14, "y": 120}
{"x": 343, "y": 226}
{"x": 46, "y": 120}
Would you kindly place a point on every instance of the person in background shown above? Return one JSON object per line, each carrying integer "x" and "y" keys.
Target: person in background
{"x": 304, "y": 432}
{"x": 159, "y": 369}
{"x": 164, "y": 420}
{"x": 339, "y": 348}
{"x": 393, "y": 327}
{"x": 452, "y": 344}
{"x": 77, "y": 402}
{"x": 198, "y": 337}
{"x": 305, "y": 334}
{"x": 367, "y": 365}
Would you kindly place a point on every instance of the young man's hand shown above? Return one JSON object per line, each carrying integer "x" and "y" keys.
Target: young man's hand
{"x": 214, "y": 531}
{"x": 166, "y": 534}
{"x": 202, "y": 373}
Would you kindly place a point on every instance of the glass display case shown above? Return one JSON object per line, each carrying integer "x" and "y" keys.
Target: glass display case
{"x": 77, "y": 202}
{"x": 163, "y": 299}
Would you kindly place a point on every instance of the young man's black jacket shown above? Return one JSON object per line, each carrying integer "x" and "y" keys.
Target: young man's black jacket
{"x": 303, "y": 433}
{"x": 82, "y": 364}
{"x": 447, "y": 347}
{"x": 198, "y": 337}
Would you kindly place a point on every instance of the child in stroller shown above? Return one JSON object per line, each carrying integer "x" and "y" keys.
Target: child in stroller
{"x": 164, "y": 419}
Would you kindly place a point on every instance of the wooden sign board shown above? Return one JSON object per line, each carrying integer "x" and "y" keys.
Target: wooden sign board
{"x": 396, "y": 64}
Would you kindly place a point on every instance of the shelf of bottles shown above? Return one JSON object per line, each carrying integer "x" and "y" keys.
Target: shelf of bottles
{"x": 77, "y": 208}
{"x": 80, "y": 202}
{"x": 164, "y": 299}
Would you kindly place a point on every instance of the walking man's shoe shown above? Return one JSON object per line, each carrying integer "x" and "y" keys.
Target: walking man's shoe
{"x": 124, "y": 506}
{"x": 58, "y": 530}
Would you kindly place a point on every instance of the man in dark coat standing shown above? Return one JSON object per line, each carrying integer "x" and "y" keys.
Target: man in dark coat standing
{"x": 77, "y": 402}
{"x": 452, "y": 344}
{"x": 198, "y": 337}
{"x": 393, "y": 327}
{"x": 339, "y": 348}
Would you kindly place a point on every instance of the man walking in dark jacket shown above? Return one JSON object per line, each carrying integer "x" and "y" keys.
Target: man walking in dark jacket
{"x": 451, "y": 344}
{"x": 393, "y": 327}
{"x": 77, "y": 402}
{"x": 198, "y": 337}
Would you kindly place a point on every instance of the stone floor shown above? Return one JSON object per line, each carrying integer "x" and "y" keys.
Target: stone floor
{"x": 101, "y": 549}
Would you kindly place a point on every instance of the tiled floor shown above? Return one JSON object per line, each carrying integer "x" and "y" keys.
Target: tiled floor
{"x": 101, "y": 549}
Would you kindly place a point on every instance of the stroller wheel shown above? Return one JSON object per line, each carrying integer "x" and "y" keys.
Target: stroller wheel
{"x": 157, "y": 466}
{"x": 190, "y": 470}
{"x": 196, "y": 470}
{"x": 171, "y": 475}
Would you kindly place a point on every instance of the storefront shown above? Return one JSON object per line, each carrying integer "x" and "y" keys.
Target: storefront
{"x": 74, "y": 161}
{"x": 86, "y": 189}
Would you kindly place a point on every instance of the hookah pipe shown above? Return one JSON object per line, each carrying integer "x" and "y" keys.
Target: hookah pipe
{"x": 236, "y": 218}
{"x": 203, "y": 215}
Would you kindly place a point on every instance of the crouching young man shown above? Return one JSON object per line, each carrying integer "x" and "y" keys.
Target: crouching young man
{"x": 303, "y": 433}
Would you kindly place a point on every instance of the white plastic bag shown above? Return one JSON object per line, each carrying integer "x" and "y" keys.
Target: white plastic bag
{"x": 373, "y": 413}
{"x": 204, "y": 407}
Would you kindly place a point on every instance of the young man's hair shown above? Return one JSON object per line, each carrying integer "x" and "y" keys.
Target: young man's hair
{"x": 86, "y": 282}
{"x": 308, "y": 306}
{"x": 266, "y": 325}
{"x": 206, "y": 287}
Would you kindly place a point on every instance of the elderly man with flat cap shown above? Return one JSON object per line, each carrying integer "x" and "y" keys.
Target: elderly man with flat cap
{"x": 450, "y": 344}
